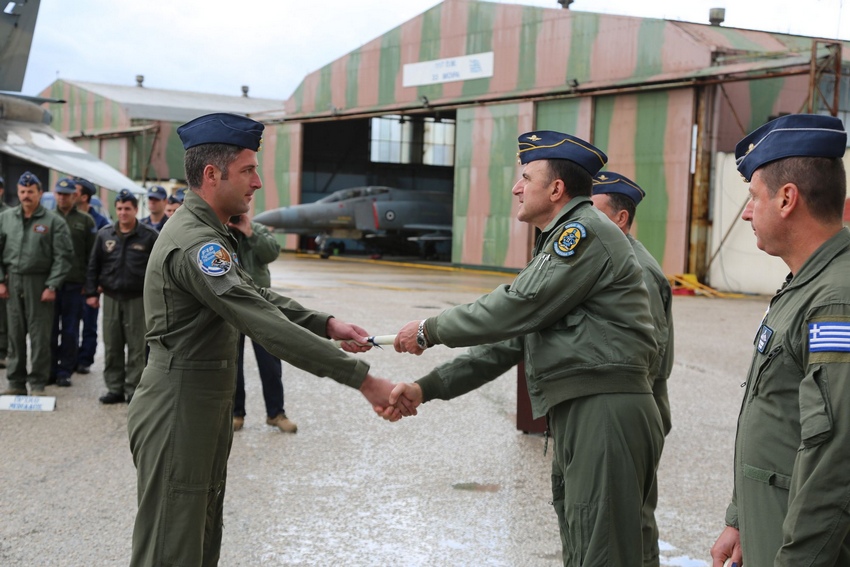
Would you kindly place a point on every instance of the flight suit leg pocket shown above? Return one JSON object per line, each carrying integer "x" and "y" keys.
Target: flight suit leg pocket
{"x": 185, "y": 525}
{"x": 558, "y": 504}
{"x": 815, "y": 414}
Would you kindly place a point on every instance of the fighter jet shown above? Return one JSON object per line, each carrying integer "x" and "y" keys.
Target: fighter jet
{"x": 25, "y": 131}
{"x": 386, "y": 217}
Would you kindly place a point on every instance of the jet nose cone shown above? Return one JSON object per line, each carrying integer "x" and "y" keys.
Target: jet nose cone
{"x": 269, "y": 218}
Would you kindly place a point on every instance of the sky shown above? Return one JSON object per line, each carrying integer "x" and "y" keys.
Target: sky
{"x": 216, "y": 46}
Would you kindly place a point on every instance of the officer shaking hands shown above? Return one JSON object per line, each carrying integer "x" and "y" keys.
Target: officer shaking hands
{"x": 197, "y": 300}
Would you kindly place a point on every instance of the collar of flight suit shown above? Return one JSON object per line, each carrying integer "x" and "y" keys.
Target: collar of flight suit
{"x": 820, "y": 258}
{"x": 565, "y": 211}
{"x": 201, "y": 209}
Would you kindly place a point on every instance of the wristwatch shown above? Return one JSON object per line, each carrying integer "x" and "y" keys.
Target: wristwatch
{"x": 421, "y": 340}
{"x": 51, "y": 288}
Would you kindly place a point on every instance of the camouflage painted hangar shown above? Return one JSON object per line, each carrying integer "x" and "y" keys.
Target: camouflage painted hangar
{"x": 438, "y": 102}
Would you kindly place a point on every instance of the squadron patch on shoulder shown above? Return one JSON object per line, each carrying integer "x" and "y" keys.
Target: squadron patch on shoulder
{"x": 214, "y": 259}
{"x": 569, "y": 239}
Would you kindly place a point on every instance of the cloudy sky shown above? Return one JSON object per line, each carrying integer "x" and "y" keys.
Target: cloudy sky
{"x": 216, "y": 46}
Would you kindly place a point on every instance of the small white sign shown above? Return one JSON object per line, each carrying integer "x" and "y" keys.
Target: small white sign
{"x": 476, "y": 66}
{"x": 28, "y": 403}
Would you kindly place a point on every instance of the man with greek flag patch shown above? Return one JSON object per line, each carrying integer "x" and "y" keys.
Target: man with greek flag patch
{"x": 792, "y": 479}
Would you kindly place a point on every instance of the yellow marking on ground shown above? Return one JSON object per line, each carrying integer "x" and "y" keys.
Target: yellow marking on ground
{"x": 508, "y": 272}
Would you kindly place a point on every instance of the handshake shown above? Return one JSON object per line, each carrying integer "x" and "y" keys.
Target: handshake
{"x": 390, "y": 401}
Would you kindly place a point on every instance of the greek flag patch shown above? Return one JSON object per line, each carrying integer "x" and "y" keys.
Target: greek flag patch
{"x": 829, "y": 337}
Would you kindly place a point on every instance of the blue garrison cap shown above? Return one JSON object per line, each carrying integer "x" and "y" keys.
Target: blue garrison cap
{"x": 610, "y": 182}
{"x": 125, "y": 195}
{"x": 794, "y": 135}
{"x": 157, "y": 192}
{"x": 222, "y": 128}
{"x": 65, "y": 186}
{"x": 88, "y": 186}
{"x": 545, "y": 144}
{"x": 28, "y": 179}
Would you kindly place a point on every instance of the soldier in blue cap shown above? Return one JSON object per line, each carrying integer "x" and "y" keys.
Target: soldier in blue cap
{"x": 197, "y": 300}
{"x": 618, "y": 197}
{"x": 792, "y": 481}
{"x": 4, "y": 333}
{"x": 88, "y": 335}
{"x": 36, "y": 251}
{"x": 65, "y": 342}
{"x": 578, "y": 316}
{"x": 157, "y": 197}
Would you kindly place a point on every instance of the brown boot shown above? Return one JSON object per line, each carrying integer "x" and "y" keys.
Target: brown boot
{"x": 283, "y": 423}
{"x": 238, "y": 422}
{"x": 10, "y": 391}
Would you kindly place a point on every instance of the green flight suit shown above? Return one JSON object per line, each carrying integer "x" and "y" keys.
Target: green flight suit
{"x": 36, "y": 254}
{"x": 197, "y": 300}
{"x": 578, "y": 315}
{"x": 4, "y": 325}
{"x": 661, "y": 309}
{"x": 792, "y": 450}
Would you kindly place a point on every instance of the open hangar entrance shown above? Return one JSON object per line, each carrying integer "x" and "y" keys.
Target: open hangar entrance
{"x": 402, "y": 151}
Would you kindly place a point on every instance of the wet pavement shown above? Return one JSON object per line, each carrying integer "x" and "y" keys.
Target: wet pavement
{"x": 456, "y": 485}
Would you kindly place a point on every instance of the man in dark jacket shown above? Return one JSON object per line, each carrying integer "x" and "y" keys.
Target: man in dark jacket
{"x": 117, "y": 268}
{"x": 69, "y": 298}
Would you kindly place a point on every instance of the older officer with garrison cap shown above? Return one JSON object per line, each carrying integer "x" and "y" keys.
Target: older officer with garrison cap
{"x": 197, "y": 300}
{"x": 618, "y": 197}
{"x": 578, "y": 316}
{"x": 792, "y": 479}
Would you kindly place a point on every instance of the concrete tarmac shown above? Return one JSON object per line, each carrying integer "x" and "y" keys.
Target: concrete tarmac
{"x": 457, "y": 485}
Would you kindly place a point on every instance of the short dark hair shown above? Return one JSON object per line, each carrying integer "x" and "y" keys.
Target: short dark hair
{"x": 198, "y": 157}
{"x": 821, "y": 181}
{"x": 576, "y": 178}
{"x": 621, "y": 202}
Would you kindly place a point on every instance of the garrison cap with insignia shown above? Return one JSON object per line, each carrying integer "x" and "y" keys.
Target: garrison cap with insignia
{"x": 125, "y": 195}
{"x": 610, "y": 182}
{"x": 222, "y": 128}
{"x": 545, "y": 144}
{"x": 157, "y": 192}
{"x": 793, "y": 135}
{"x": 65, "y": 186}
{"x": 28, "y": 179}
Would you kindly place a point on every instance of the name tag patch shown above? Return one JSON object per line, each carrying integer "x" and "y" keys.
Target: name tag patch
{"x": 765, "y": 333}
{"x": 214, "y": 259}
{"x": 829, "y": 337}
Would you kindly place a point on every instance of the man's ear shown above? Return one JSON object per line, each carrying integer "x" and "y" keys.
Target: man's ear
{"x": 790, "y": 199}
{"x": 211, "y": 173}
{"x": 558, "y": 190}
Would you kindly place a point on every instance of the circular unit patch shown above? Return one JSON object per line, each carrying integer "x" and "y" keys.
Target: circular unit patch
{"x": 214, "y": 259}
{"x": 569, "y": 239}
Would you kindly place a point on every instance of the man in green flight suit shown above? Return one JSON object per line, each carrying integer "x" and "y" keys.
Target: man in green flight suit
{"x": 618, "y": 197}
{"x": 578, "y": 316}
{"x": 197, "y": 300}
{"x": 4, "y": 331}
{"x": 35, "y": 245}
{"x": 792, "y": 480}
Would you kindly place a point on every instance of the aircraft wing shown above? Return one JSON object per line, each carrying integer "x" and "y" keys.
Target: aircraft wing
{"x": 17, "y": 23}
{"x": 41, "y": 144}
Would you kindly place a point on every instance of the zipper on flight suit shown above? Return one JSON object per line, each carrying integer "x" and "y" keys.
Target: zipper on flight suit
{"x": 770, "y": 356}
